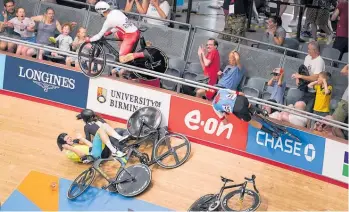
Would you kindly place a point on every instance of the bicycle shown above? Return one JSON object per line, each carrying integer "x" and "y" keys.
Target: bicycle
{"x": 215, "y": 202}
{"x": 129, "y": 182}
{"x": 96, "y": 54}
{"x": 148, "y": 120}
{"x": 280, "y": 130}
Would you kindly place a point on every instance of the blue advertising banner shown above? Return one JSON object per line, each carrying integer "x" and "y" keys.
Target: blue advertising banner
{"x": 307, "y": 154}
{"x": 2, "y": 69}
{"x": 45, "y": 81}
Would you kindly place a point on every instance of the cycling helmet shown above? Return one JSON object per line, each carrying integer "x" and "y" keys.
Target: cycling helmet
{"x": 86, "y": 115}
{"x": 101, "y": 7}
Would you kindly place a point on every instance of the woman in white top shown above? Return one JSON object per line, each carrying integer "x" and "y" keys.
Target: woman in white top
{"x": 158, "y": 9}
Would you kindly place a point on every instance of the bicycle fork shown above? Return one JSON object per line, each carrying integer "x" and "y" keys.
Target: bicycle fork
{"x": 241, "y": 199}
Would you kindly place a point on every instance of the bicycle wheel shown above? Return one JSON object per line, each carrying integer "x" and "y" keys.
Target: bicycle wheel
{"x": 250, "y": 202}
{"x": 136, "y": 179}
{"x": 160, "y": 63}
{"x": 173, "y": 144}
{"x": 81, "y": 183}
{"x": 92, "y": 59}
{"x": 203, "y": 203}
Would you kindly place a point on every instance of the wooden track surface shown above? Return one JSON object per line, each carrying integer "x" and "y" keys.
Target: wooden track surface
{"x": 28, "y": 142}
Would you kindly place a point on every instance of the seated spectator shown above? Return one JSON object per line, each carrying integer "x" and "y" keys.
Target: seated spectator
{"x": 158, "y": 9}
{"x": 278, "y": 85}
{"x": 78, "y": 41}
{"x": 275, "y": 33}
{"x": 64, "y": 40}
{"x": 47, "y": 25}
{"x": 137, "y": 6}
{"x": 341, "y": 41}
{"x": 272, "y": 113}
{"x": 6, "y": 15}
{"x": 323, "y": 94}
{"x": 328, "y": 130}
{"x": 25, "y": 27}
{"x": 292, "y": 118}
{"x": 210, "y": 63}
{"x": 314, "y": 65}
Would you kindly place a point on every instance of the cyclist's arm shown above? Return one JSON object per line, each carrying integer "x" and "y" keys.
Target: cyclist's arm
{"x": 105, "y": 28}
{"x": 86, "y": 142}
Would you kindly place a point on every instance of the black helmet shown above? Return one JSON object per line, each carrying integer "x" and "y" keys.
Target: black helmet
{"x": 86, "y": 115}
{"x": 61, "y": 141}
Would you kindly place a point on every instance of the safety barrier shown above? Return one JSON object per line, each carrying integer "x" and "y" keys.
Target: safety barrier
{"x": 116, "y": 98}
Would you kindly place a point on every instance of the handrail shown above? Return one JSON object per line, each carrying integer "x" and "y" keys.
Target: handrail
{"x": 189, "y": 83}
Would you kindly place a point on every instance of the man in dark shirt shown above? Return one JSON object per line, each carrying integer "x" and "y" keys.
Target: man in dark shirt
{"x": 236, "y": 20}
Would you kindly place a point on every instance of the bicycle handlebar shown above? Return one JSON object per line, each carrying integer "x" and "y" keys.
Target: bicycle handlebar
{"x": 252, "y": 179}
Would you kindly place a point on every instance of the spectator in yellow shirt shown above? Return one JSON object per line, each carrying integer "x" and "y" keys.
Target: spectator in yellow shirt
{"x": 323, "y": 95}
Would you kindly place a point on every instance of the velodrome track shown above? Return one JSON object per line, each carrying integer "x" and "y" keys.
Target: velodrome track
{"x": 29, "y": 130}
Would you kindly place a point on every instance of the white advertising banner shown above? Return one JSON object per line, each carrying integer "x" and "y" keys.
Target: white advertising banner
{"x": 121, "y": 100}
{"x": 336, "y": 160}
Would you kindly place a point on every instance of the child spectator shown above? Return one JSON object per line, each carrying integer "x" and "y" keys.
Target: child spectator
{"x": 24, "y": 27}
{"x": 64, "y": 40}
{"x": 278, "y": 86}
{"x": 78, "y": 41}
{"x": 323, "y": 95}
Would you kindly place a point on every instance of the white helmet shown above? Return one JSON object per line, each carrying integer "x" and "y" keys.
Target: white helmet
{"x": 101, "y": 7}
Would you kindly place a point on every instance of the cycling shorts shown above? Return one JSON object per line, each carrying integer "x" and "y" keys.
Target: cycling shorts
{"x": 97, "y": 146}
{"x": 241, "y": 110}
{"x": 129, "y": 41}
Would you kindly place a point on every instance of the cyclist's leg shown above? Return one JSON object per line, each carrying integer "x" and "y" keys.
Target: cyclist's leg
{"x": 97, "y": 146}
{"x": 125, "y": 53}
{"x": 111, "y": 132}
{"x": 105, "y": 139}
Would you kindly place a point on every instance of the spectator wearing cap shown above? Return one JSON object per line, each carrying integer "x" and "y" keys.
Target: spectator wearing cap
{"x": 278, "y": 85}
{"x": 7, "y": 14}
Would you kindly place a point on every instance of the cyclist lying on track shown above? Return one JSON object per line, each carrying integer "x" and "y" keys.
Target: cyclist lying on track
{"x": 226, "y": 102}
{"x": 117, "y": 22}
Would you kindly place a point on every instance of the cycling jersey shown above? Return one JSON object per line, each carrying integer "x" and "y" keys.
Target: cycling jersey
{"x": 115, "y": 21}
{"x": 224, "y": 102}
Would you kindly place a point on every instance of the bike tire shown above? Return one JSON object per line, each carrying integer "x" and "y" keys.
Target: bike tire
{"x": 80, "y": 59}
{"x": 162, "y": 141}
{"x": 256, "y": 200}
{"x": 85, "y": 186}
{"x": 203, "y": 203}
{"x": 159, "y": 57}
{"x": 135, "y": 187}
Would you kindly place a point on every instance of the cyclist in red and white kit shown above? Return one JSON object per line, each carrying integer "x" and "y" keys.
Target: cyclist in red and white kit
{"x": 117, "y": 22}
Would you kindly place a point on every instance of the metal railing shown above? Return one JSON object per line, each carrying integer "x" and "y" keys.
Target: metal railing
{"x": 182, "y": 81}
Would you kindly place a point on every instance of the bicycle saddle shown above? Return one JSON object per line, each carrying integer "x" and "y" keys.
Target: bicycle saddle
{"x": 226, "y": 179}
{"x": 143, "y": 28}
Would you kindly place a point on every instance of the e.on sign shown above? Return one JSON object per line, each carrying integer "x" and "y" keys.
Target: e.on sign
{"x": 198, "y": 120}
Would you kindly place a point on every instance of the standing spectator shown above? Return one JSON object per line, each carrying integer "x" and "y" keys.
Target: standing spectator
{"x": 210, "y": 63}
{"x": 341, "y": 112}
{"x": 314, "y": 64}
{"x": 64, "y": 40}
{"x": 78, "y": 41}
{"x": 137, "y": 6}
{"x": 341, "y": 41}
{"x": 275, "y": 33}
{"x": 278, "y": 85}
{"x": 158, "y": 9}
{"x": 236, "y": 20}
{"x": 323, "y": 95}
{"x": 25, "y": 28}
{"x": 6, "y": 15}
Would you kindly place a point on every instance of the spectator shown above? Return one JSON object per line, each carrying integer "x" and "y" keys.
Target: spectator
{"x": 323, "y": 94}
{"x": 78, "y": 41}
{"x": 275, "y": 33}
{"x": 158, "y": 9}
{"x": 25, "y": 28}
{"x": 341, "y": 41}
{"x": 314, "y": 65}
{"x": 6, "y": 15}
{"x": 210, "y": 63}
{"x": 341, "y": 112}
{"x": 328, "y": 130}
{"x": 272, "y": 113}
{"x": 236, "y": 21}
{"x": 292, "y": 118}
{"x": 117, "y": 4}
{"x": 231, "y": 76}
{"x": 137, "y": 6}
{"x": 47, "y": 25}
{"x": 64, "y": 40}
{"x": 319, "y": 18}
{"x": 278, "y": 85}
